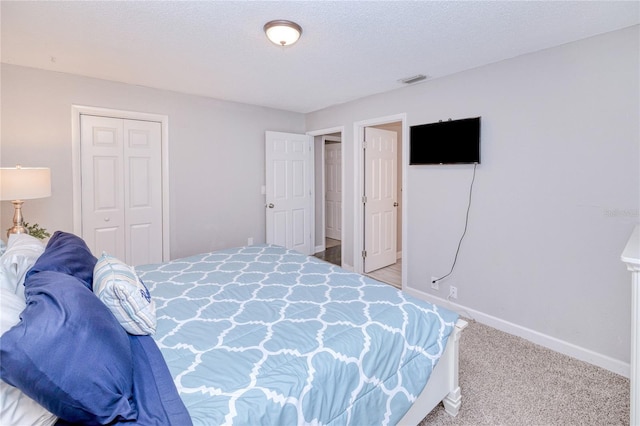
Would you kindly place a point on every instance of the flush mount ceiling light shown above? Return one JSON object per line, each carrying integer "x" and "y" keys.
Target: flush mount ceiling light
{"x": 282, "y": 32}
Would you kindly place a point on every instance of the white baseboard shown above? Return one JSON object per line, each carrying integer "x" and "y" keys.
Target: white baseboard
{"x": 347, "y": 267}
{"x": 566, "y": 348}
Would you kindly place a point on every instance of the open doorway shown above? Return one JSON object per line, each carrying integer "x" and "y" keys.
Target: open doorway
{"x": 328, "y": 212}
{"x": 388, "y": 270}
{"x": 371, "y": 136}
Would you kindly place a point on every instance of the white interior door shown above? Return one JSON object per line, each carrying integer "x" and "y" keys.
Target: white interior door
{"x": 122, "y": 188}
{"x": 380, "y": 203}
{"x": 288, "y": 166}
{"x": 333, "y": 190}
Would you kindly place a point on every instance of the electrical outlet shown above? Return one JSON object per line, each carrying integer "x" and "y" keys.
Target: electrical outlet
{"x": 250, "y": 241}
{"x": 453, "y": 292}
{"x": 435, "y": 284}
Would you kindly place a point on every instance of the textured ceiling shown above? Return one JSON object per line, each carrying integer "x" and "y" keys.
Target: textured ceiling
{"x": 348, "y": 49}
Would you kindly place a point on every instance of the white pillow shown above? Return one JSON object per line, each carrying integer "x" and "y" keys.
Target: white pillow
{"x": 118, "y": 286}
{"x": 22, "y": 252}
{"x": 16, "y": 408}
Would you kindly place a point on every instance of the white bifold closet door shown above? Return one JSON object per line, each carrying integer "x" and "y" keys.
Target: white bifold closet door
{"x": 122, "y": 188}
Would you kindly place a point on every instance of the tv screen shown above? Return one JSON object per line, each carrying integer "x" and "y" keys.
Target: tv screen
{"x": 445, "y": 142}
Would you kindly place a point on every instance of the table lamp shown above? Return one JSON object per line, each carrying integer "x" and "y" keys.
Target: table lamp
{"x": 23, "y": 183}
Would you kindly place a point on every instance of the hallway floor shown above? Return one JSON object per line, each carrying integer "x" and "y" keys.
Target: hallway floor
{"x": 391, "y": 274}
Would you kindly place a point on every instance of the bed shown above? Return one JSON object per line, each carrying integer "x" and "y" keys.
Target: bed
{"x": 249, "y": 335}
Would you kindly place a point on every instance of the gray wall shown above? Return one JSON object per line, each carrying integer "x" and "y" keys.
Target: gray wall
{"x": 216, "y": 153}
{"x": 555, "y": 198}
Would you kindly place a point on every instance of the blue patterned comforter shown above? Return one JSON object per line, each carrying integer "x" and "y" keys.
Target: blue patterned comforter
{"x": 265, "y": 335}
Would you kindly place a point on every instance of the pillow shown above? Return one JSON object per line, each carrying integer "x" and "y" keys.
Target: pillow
{"x": 124, "y": 293}
{"x": 11, "y": 305}
{"x": 68, "y": 254}
{"x": 69, "y": 354}
{"x": 16, "y": 408}
{"x": 22, "y": 252}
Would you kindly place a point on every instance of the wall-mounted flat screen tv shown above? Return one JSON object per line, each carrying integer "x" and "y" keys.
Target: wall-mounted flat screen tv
{"x": 445, "y": 142}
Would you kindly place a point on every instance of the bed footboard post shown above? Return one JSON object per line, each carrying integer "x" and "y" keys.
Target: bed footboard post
{"x": 453, "y": 400}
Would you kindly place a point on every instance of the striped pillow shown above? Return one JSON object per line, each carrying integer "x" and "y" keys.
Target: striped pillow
{"x": 118, "y": 286}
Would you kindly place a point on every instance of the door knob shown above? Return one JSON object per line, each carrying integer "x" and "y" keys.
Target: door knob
{"x": 395, "y": 204}
{"x": 270, "y": 205}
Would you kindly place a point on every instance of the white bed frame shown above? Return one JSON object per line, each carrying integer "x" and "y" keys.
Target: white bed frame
{"x": 631, "y": 256}
{"x": 442, "y": 385}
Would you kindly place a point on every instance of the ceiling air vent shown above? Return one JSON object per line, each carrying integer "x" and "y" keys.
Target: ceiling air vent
{"x": 413, "y": 79}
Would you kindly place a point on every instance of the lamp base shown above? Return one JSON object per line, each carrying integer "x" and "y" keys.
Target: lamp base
{"x": 18, "y": 224}
{"x": 16, "y": 230}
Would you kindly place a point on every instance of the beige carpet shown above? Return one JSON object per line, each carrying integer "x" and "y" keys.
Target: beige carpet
{"x": 506, "y": 380}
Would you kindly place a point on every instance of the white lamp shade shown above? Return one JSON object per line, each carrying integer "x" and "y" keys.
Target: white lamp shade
{"x": 24, "y": 183}
{"x": 282, "y": 33}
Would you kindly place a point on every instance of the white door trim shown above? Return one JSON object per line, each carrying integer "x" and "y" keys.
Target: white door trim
{"x": 358, "y": 220}
{"x": 76, "y": 111}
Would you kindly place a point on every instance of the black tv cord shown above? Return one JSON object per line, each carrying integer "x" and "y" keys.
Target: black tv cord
{"x": 466, "y": 224}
